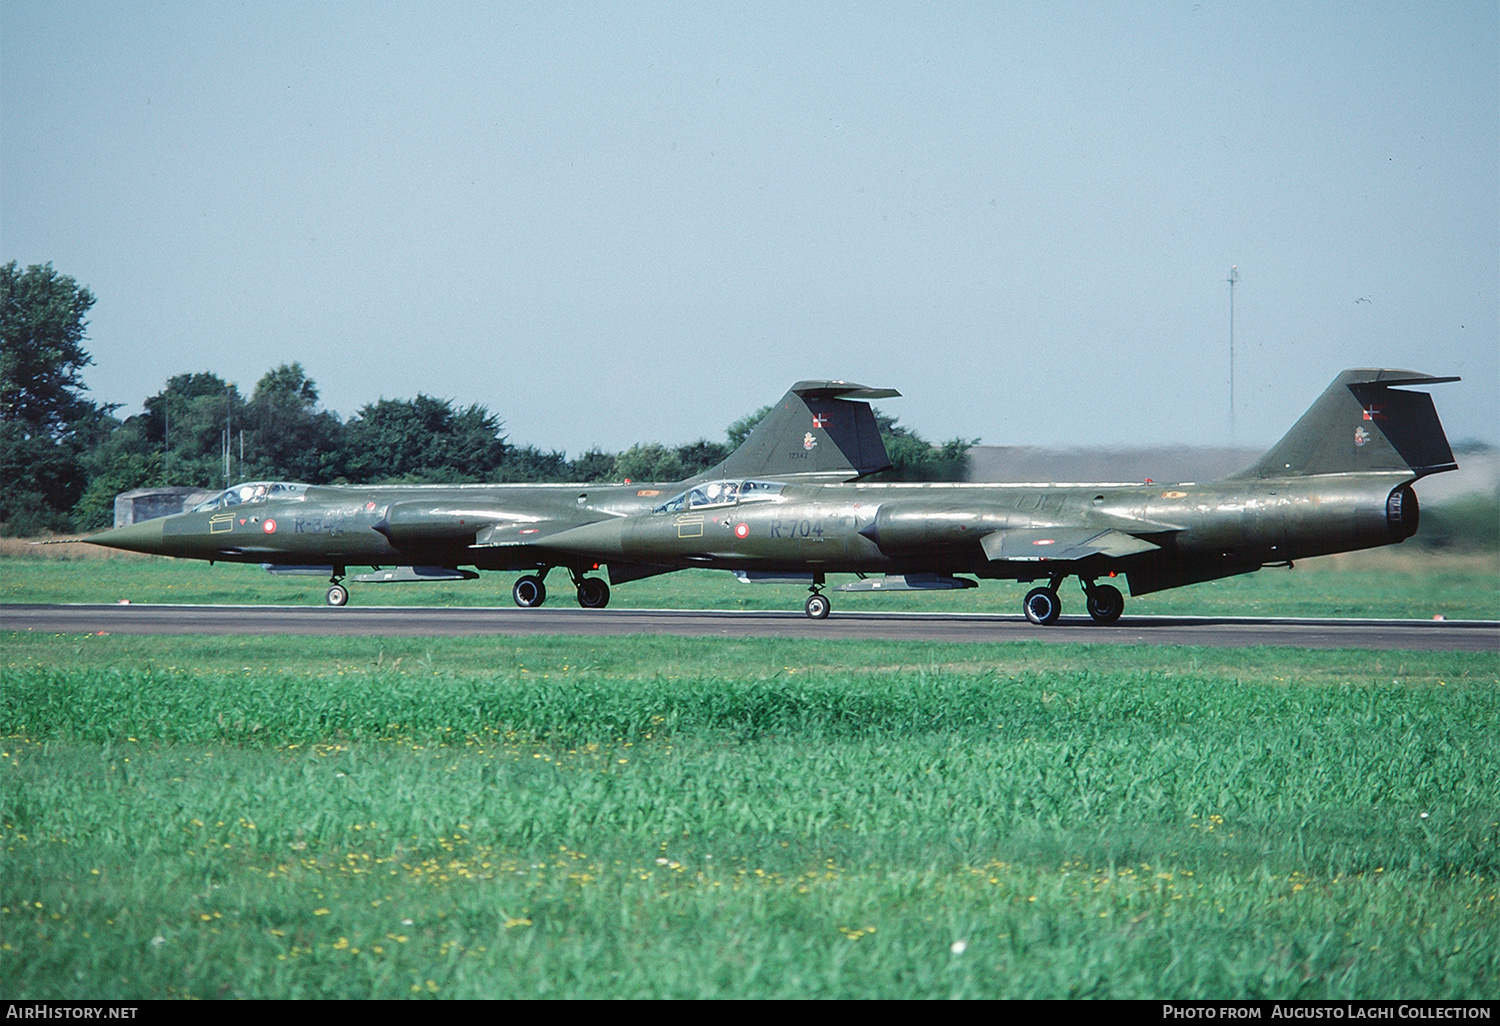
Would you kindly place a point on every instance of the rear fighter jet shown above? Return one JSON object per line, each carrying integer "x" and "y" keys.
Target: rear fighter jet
{"x": 820, "y": 431}
{"x": 1340, "y": 480}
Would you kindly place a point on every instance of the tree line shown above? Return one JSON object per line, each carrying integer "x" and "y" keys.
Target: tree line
{"x": 64, "y": 458}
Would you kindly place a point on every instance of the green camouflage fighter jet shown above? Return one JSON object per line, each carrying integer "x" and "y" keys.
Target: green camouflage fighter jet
{"x": 820, "y": 431}
{"x": 1340, "y": 480}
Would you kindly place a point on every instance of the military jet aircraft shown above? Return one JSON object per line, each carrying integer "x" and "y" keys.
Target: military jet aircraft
{"x": 1340, "y": 480}
{"x": 820, "y": 431}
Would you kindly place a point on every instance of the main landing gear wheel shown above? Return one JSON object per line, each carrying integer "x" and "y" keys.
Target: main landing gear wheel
{"x": 817, "y": 607}
{"x": 1105, "y": 603}
{"x": 593, "y": 593}
{"x": 1042, "y": 606}
{"x": 337, "y": 595}
{"x": 529, "y": 592}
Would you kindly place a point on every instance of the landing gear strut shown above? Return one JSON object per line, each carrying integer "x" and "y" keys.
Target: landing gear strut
{"x": 818, "y": 606}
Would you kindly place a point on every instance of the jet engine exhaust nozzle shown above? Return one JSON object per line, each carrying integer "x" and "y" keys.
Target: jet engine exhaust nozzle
{"x": 1402, "y": 513}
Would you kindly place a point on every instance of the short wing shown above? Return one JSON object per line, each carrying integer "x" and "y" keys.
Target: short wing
{"x": 515, "y": 533}
{"x": 1062, "y": 543}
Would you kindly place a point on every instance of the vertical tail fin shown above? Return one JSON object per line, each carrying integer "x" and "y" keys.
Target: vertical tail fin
{"x": 1361, "y": 422}
{"x": 820, "y": 430}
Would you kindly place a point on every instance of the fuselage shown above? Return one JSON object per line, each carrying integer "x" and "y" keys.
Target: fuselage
{"x": 1014, "y": 531}
{"x": 491, "y": 527}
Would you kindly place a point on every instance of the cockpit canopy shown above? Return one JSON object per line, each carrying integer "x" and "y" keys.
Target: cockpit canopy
{"x": 720, "y": 493}
{"x": 249, "y": 492}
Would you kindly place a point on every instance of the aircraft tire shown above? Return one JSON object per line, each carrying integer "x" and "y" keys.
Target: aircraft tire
{"x": 1106, "y": 603}
{"x": 593, "y": 593}
{"x": 338, "y": 595}
{"x": 817, "y": 607}
{"x": 1042, "y": 606}
{"x": 529, "y": 592}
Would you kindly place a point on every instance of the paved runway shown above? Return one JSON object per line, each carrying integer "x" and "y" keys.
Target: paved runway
{"x": 1221, "y": 632}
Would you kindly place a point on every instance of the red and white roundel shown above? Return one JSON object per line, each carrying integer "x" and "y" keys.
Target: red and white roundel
{"x": 269, "y": 526}
{"x": 742, "y": 530}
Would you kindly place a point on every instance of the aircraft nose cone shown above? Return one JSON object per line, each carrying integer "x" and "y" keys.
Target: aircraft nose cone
{"x": 142, "y": 537}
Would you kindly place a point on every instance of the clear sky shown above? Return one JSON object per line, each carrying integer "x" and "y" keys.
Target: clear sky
{"x": 638, "y": 222}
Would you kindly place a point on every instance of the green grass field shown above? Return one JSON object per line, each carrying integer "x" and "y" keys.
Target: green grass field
{"x": 673, "y": 817}
{"x": 1398, "y": 583}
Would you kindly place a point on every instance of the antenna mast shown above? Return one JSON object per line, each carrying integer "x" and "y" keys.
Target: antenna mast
{"x": 1234, "y": 276}
{"x": 228, "y": 432}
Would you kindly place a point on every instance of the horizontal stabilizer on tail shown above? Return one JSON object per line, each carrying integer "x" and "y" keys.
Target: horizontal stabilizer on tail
{"x": 841, "y": 390}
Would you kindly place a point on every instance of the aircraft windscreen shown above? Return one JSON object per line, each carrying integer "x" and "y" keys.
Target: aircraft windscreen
{"x": 760, "y": 489}
{"x": 720, "y": 493}
{"x": 251, "y": 491}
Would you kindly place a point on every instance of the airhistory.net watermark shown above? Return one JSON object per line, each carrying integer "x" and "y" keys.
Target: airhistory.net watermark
{"x": 49, "y": 1010}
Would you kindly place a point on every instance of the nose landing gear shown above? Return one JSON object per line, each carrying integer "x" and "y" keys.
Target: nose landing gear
{"x": 818, "y": 606}
{"x": 338, "y": 595}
